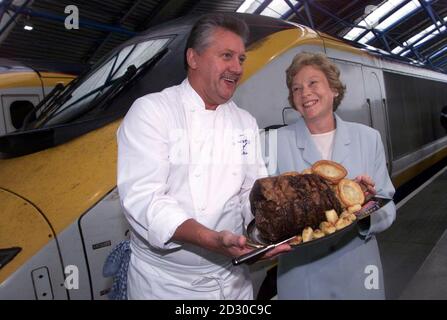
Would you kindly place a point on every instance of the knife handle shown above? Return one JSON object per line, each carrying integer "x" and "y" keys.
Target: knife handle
{"x": 252, "y": 255}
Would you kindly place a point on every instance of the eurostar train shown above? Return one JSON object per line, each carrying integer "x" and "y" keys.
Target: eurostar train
{"x": 23, "y": 87}
{"x": 59, "y": 205}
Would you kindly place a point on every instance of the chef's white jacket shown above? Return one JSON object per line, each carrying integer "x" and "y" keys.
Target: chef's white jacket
{"x": 176, "y": 161}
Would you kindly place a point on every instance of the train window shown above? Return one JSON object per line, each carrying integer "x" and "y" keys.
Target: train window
{"x": 19, "y": 110}
{"x": 413, "y": 103}
{"x": 97, "y": 84}
{"x": 140, "y": 55}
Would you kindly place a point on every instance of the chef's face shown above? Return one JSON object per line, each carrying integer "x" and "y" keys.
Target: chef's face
{"x": 312, "y": 95}
{"x": 216, "y": 71}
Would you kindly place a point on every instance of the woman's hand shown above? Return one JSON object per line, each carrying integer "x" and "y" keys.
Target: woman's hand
{"x": 367, "y": 184}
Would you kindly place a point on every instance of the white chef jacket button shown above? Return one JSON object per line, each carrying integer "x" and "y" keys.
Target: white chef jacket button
{"x": 197, "y": 174}
{"x": 234, "y": 173}
{"x": 202, "y": 208}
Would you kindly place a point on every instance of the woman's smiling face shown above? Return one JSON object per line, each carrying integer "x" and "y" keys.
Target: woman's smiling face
{"x": 312, "y": 95}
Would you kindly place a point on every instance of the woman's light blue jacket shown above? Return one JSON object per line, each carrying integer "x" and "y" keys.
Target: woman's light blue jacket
{"x": 351, "y": 269}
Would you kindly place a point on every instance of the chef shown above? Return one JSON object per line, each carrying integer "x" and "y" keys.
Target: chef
{"x": 187, "y": 159}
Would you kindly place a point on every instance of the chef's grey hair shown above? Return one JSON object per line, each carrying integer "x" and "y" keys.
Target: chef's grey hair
{"x": 202, "y": 31}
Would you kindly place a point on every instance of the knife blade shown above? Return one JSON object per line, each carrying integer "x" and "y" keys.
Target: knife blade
{"x": 253, "y": 255}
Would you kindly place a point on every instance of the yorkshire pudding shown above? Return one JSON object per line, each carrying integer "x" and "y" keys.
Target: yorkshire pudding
{"x": 329, "y": 170}
{"x": 350, "y": 193}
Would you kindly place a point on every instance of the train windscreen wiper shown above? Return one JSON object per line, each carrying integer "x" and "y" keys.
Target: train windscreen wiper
{"x": 131, "y": 74}
{"x": 57, "y": 95}
{"x": 101, "y": 102}
{"x": 49, "y": 113}
{"x": 46, "y": 101}
{"x": 105, "y": 90}
{"x": 54, "y": 115}
{"x": 114, "y": 88}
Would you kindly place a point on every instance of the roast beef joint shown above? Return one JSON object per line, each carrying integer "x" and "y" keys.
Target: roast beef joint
{"x": 286, "y": 205}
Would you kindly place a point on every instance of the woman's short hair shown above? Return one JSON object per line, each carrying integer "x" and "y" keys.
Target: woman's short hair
{"x": 320, "y": 61}
{"x": 201, "y": 34}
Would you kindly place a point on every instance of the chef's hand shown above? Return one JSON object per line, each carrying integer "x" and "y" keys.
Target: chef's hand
{"x": 231, "y": 244}
{"x": 223, "y": 242}
{"x": 236, "y": 245}
{"x": 367, "y": 185}
{"x": 282, "y": 248}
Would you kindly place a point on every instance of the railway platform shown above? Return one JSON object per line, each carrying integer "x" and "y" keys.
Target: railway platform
{"x": 414, "y": 248}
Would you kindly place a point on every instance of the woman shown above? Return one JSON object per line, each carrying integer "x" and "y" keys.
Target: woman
{"x": 352, "y": 268}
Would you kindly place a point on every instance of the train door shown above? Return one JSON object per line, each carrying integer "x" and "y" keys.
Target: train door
{"x": 353, "y": 107}
{"x": 375, "y": 99}
{"x": 265, "y": 96}
{"x": 102, "y": 228}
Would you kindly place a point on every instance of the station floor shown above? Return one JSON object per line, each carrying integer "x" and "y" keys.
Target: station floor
{"x": 414, "y": 249}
